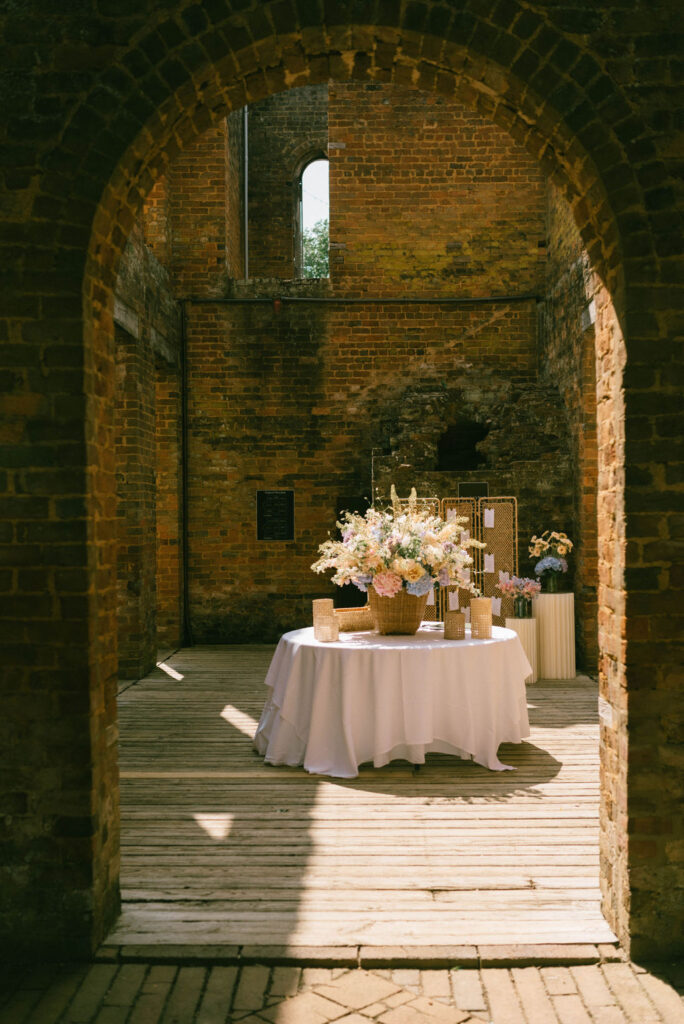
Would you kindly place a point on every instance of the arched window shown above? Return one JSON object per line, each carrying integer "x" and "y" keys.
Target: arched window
{"x": 311, "y": 228}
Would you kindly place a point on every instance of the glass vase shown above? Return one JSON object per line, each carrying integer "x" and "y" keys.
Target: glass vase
{"x": 549, "y": 582}
{"x": 522, "y": 607}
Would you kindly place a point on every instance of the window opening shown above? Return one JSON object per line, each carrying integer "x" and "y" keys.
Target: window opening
{"x": 457, "y": 447}
{"x": 313, "y": 220}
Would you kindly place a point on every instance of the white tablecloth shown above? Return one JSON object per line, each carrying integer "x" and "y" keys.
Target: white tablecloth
{"x": 334, "y": 706}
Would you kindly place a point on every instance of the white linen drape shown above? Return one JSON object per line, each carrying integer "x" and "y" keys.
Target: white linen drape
{"x": 334, "y": 706}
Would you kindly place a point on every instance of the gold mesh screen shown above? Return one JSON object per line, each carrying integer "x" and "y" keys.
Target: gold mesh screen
{"x": 463, "y": 508}
{"x": 498, "y": 520}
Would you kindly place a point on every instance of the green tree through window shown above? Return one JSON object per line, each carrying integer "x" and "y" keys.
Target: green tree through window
{"x": 315, "y": 259}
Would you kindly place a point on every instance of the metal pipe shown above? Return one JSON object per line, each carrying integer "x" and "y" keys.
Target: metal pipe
{"x": 187, "y": 626}
{"x": 332, "y": 300}
{"x": 245, "y": 185}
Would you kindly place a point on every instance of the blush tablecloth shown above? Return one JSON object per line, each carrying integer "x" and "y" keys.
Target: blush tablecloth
{"x": 335, "y": 706}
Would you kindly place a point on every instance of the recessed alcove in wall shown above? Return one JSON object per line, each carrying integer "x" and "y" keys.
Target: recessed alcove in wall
{"x": 457, "y": 447}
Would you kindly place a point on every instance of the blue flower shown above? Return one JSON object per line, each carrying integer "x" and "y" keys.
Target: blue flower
{"x": 421, "y": 586}
{"x": 550, "y": 564}
{"x": 362, "y": 582}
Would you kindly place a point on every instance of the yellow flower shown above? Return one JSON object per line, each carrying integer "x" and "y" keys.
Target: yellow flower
{"x": 562, "y": 550}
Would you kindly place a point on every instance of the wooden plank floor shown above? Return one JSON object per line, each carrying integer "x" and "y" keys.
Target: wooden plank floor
{"x": 218, "y": 847}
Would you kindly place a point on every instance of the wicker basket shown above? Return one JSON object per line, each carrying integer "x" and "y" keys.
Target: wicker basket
{"x": 402, "y": 613}
{"x": 354, "y": 620}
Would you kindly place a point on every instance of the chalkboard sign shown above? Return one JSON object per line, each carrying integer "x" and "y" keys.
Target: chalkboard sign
{"x": 275, "y": 515}
{"x": 473, "y": 490}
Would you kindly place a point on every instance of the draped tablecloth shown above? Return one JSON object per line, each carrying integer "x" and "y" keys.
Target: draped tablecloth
{"x": 335, "y": 706}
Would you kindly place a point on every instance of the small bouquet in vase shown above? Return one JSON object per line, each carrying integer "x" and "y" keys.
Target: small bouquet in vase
{"x": 522, "y": 589}
{"x": 551, "y": 549}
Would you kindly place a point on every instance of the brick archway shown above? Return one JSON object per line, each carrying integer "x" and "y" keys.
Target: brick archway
{"x": 528, "y": 73}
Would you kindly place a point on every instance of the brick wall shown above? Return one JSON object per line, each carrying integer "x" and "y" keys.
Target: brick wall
{"x": 148, "y": 454}
{"x": 89, "y": 129}
{"x": 421, "y": 204}
{"x": 234, "y": 208}
{"x": 567, "y": 350}
{"x": 427, "y": 197}
{"x": 169, "y": 498}
{"x": 285, "y": 132}
{"x": 198, "y": 192}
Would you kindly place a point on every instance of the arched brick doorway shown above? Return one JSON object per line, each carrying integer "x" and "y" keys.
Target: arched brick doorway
{"x": 528, "y": 73}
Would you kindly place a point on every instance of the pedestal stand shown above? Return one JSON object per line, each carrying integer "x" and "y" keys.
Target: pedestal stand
{"x": 555, "y": 615}
{"x": 527, "y": 631}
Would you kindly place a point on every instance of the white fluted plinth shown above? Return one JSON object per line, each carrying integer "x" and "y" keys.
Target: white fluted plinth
{"x": 555, "y": 615}
{"x": 527, "y": 631}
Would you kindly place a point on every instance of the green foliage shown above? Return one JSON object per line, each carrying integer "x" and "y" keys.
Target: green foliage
{"x": 315, "y": 261}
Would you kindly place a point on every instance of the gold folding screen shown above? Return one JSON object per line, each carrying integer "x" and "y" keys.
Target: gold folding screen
{"x": 495, "y": 522}
{"x": 498, "y": 519}
{"x": 456, "y": 598}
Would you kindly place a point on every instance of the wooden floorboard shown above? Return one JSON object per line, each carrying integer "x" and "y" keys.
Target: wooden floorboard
{"x": 218, "y": 847}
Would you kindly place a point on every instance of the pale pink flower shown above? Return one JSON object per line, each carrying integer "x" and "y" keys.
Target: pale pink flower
{"x": 387, "y": 584}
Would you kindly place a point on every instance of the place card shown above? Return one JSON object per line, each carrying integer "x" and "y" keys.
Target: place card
{"x": 489, "y": 518}
{"x": 489, "y": 563}
{"x": 465, "y": 536}
{"x": 496, "y": 606}
{"x": 466, "y": 574}
{"x": 467, "y": 614}
{"x": 451, "y": 514}
{"x": 431, "y": 597}
{"x": 504, "y": 577}
{"x": 453, "y": 601}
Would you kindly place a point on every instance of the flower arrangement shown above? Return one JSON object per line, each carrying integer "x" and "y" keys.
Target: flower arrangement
{"x": 550, "y": 548}
{"x": 518, "y": 586}
{"x": 399, "y": 548}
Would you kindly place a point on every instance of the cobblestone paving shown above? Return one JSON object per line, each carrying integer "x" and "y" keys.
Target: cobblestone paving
{"x": 138, "y": 993}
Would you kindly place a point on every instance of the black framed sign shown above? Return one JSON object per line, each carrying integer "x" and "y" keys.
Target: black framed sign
{"x": 275, "y": 515}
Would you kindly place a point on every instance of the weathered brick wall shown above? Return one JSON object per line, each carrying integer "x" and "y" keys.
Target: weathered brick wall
{"x": 97, "y": 104}
{"x": 197, "y": 185}
{"x": 427, "y": 197}
{"x": 300, "y": 398}
{"x": 156, "y": 222}
{"x": 285, "y": 132}
{"x": 147, "y": 469}
{"x": 169, "y": 499}
{"x": 567, "y": 357}
{"x": 234, "y": 209}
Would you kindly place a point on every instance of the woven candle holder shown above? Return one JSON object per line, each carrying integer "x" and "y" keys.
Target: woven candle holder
{"x": 454, "y": 625}
{"x": 326, "y": 626}
{"x": 481, "y": 618}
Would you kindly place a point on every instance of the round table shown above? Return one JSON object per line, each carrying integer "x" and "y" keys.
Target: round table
{"x": 366, "y": 697}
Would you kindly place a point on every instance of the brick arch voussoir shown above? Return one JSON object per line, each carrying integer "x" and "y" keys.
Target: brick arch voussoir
{"x": 501, "y": 66}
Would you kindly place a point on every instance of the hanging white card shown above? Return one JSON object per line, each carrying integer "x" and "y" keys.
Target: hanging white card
{"x": 465, "y": 536}
{"x": 453, "y": 601}
{"x": 504, "y": 577}
{"x": 431, "y": 597}
{"x": 489, "y": 518}
{"x": 489, "y": 563}
{"x": 451, "y": 514}
{"x": 496, "y": 606}
{"x": 466, "y": 574}
{"x": 467, "y": 614}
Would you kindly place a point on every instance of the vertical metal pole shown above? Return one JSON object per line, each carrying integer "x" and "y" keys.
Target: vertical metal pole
{"x": 245, "y": 185}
